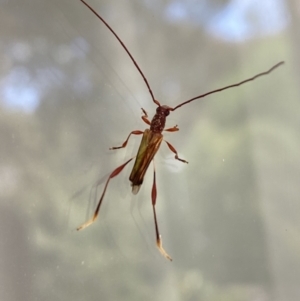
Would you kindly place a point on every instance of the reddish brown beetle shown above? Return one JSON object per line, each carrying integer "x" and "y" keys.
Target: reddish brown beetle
{"x": 152, "y": 139}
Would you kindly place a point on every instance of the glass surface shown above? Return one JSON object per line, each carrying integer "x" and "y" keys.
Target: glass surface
{"x": 68, "y": 92}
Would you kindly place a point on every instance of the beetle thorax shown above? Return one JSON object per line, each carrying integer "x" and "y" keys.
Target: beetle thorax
{"x": 159, "y": 120}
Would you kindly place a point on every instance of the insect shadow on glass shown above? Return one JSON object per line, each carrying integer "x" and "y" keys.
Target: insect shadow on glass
{"x": 152, "y": 139}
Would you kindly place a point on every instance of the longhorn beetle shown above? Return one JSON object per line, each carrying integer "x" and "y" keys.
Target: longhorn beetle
{"x": 151, "y": 140}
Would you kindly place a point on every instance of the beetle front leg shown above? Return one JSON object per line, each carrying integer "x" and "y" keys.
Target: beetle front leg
{"x": 171, "y": 147}
{"x": 175, "y": 128}
{"x": 145, "y": 117}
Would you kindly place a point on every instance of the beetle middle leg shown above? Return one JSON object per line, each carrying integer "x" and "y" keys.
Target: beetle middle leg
{"x": 172, "y": 148}
{"x": 137, "y": 132}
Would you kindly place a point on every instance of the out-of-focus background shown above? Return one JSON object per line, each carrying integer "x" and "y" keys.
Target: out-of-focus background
{"x": 68, "y": 92}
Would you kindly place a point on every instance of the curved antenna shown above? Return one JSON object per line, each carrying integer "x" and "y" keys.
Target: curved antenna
{"x": 230, "y": 86}
{"x": 125, "y": 48}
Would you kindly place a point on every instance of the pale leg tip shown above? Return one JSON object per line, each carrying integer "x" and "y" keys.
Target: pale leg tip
{"x": 85, "y": 224}
{"x": 162, "y": 250}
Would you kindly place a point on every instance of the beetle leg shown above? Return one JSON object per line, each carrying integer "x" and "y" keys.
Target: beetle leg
{"x": 171, "y": 147}
{"x": 145, "y": 117}
{"x": 158, "y": 237}
{"x": 125, "y": 142}
{"x": 175, "y": 128}
{"x": 112, "y": 175}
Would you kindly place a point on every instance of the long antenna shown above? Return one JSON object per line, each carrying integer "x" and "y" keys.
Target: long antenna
{"x": 230, "y": 86}
{"x": 125, "y": 48}
{"x": 146, "y": 81}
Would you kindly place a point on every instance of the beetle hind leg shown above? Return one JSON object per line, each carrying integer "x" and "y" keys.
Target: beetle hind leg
{"x": 158, "y": 236}
{"x": 95, "y": 215}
